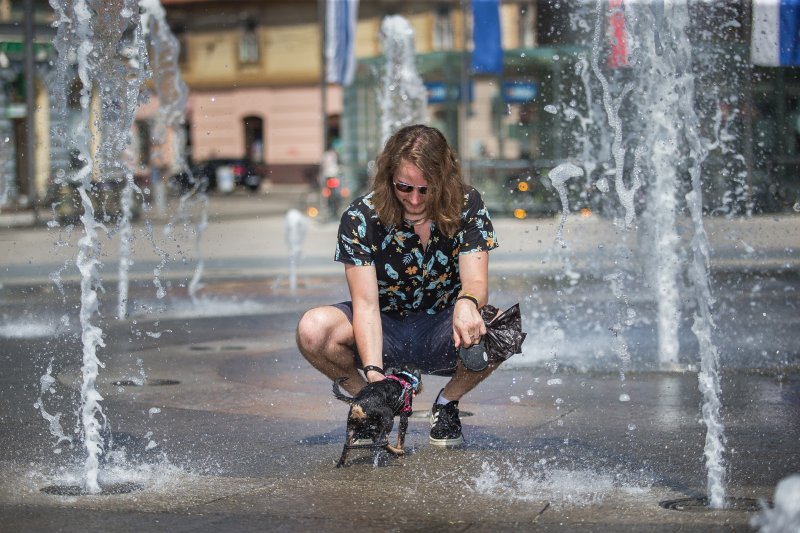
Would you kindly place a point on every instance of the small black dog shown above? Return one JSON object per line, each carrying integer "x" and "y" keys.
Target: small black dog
{"x": 373, "y": 409}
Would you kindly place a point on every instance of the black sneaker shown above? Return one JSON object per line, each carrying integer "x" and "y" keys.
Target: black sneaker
{"x": 445, "y": 425}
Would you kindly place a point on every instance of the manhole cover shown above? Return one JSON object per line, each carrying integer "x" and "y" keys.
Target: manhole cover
{"x": 148, "y": 382}
{"x": 700, "y": 504}
{"x": 105, "y": 490}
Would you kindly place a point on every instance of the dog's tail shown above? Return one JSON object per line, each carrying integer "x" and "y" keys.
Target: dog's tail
{"x": 337, "y": 391}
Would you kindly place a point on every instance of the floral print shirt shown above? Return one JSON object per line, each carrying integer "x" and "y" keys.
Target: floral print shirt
{"x": 412, "y": 278}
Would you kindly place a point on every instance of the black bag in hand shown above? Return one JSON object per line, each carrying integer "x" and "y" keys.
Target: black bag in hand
{"x": 504, "y": 337}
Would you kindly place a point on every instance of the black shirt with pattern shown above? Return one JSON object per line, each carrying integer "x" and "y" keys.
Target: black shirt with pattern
{"x": 412, "y": 278}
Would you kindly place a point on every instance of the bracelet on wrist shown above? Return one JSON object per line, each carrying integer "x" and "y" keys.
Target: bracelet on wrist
{"x": 471, "y": 298}
{"x": 374, "y": 368}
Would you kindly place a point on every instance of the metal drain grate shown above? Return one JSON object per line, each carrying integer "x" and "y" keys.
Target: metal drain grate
{"x": 105, "y": 490}
{"x": 148, "y": 382}
{"x": 700, "y": 505}
{"x": 222, "y": 348}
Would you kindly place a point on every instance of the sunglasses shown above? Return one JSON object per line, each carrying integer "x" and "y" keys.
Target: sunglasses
{"x": 405, "y": 187}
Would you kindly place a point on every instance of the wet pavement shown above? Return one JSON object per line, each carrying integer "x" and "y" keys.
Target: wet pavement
{"x": 216, "y": 423}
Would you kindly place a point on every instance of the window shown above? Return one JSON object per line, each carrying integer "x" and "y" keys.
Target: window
{"x": 527, "y": 25}
{"x": 183, "y": 46}
{"x": 249, "y": 51}
{"x": 442, "y": 29}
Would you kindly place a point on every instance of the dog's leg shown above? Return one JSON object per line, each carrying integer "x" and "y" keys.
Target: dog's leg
{"x": 351, "y": 431}
{"x": 401, "y": 437}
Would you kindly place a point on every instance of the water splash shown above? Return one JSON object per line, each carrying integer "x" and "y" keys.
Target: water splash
{"x": 559, "y": 486}
{"x": 403, "y": 97}
{"x": 46, "y": 383}
{"x": 785, "y": 515}
{"x": 558, "y": 177}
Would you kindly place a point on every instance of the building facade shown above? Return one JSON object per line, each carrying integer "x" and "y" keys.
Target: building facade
{"x": 254, "y": 73}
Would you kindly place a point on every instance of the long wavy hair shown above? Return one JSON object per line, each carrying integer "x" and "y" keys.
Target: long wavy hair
{"x": 426, "y": 148}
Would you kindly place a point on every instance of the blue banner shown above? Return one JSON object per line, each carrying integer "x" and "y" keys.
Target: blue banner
{"x": 487, "y": 52}
{"x": 790, "y": 24}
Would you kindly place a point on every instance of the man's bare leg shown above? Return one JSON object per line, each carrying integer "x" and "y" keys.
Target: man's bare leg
{"x": 465, "y": 380}
{"x": 324, "y": 337}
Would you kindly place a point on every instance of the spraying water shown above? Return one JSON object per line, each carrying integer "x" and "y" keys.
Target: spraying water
{"x": 671, "y": 143}
{"x": 104, "y": 40}
{"x": 172, "y": 98}
{"x": 80, "y": 35}
{"x": 296, "y": 228}
{"x": 403, "y": 97}
{"x": 132, "y": 71}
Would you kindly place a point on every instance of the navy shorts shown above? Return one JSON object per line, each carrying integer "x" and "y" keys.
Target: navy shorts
{"x": 423, "y": 339}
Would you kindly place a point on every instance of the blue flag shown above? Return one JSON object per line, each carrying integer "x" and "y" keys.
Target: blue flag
{"x": 487, "y": 52}
{"x": 340, "y": 32}
{"x": 775, "y": 38}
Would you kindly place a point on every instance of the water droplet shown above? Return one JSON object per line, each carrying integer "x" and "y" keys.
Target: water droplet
{"x": 631, "y": 427}
{"x": 624, "y": 397}
{"x": 796, "y": 207}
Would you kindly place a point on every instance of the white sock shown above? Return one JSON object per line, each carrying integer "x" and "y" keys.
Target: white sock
{"x": 441, "y": 400}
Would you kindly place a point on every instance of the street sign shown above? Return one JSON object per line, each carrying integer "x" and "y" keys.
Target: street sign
{"x": 518, "y": 92}
{"x": 440, "y": 92}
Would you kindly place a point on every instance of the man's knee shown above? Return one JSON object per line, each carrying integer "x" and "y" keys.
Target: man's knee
{"x": 317, "y": 327}
{"x": 308, "y": 330}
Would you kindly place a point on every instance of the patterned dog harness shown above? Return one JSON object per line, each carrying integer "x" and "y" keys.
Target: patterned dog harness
{"x": 404, "y": 401}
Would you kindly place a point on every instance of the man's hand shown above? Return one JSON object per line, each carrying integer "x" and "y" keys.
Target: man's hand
{"x": 373, "y": 376}
{"x": 468, "y": 325}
